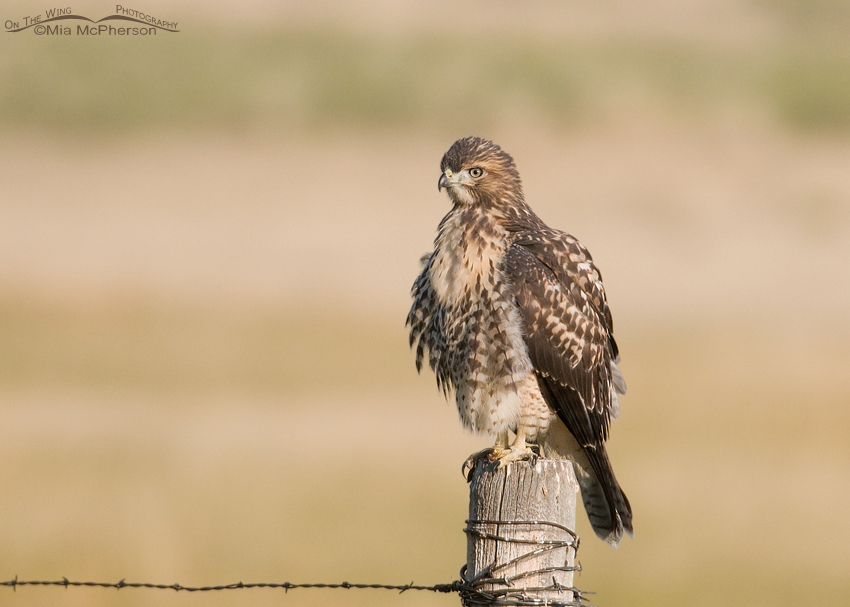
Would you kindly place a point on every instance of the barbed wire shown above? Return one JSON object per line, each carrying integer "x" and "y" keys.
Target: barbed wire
{"x": 445, "y": 588}
{"x": 487, "y": 588}
{"x": 467, "y": 590}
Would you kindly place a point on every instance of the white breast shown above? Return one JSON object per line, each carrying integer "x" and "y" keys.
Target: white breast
{"x": 492, "y": 359}
{"x": 463, "y": 260}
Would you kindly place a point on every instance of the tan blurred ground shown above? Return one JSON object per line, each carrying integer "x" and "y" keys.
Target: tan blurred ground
{"x": 204, "y": 375}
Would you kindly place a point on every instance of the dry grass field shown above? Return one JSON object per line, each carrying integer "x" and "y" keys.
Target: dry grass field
{"x": 207, "y": 242}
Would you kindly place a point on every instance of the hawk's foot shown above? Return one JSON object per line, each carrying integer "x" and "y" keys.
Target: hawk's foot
{"x": 518, "y": 452}
{"x": 472, "y": 461}
{"x": 504, "y": 455}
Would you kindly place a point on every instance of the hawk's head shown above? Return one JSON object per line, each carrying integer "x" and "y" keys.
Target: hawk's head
{"x": 478, "y": 172}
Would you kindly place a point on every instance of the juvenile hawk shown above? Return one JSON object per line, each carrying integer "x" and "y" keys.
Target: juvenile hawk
{"x": 514, "y": 319}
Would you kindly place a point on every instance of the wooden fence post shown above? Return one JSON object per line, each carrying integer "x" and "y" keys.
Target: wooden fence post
{"x": 520, "y": 540}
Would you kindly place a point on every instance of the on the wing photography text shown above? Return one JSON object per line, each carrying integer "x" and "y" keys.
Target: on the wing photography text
{"x": 54, "y": 22}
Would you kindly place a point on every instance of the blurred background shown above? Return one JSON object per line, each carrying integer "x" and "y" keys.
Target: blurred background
{"x": 207, "y": 241}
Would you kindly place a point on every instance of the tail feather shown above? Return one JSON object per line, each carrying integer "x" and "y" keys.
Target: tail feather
{"x": 607, "y": 506}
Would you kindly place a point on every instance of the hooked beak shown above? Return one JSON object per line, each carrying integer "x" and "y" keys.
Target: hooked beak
{"x": 450, "y": 179}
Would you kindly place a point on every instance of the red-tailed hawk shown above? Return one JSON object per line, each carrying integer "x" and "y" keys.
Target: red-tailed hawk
{"x": 513, "y": 317}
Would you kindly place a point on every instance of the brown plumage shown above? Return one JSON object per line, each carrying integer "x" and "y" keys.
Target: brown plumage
{"x": 513, "y": 318}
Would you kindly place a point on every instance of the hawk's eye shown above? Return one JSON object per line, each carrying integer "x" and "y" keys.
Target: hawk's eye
{"x": 476, "y": 172}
